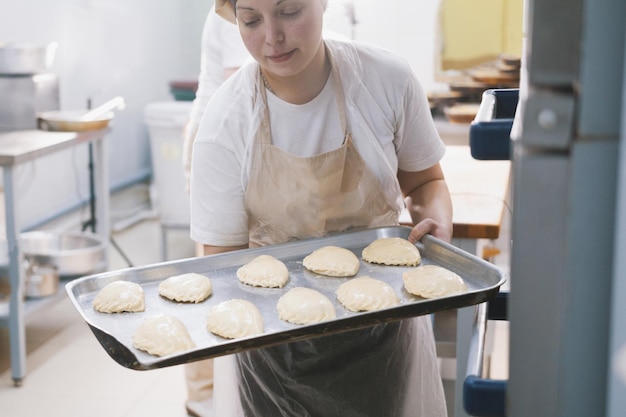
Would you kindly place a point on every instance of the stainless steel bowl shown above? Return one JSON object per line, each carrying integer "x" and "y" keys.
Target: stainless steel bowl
{"x": 40, "y": 281}
{"x": 72, "y": 253}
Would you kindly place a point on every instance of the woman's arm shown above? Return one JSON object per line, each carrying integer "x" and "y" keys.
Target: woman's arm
{"x": 212, "y": 250}
{"x": 428, "y": 201}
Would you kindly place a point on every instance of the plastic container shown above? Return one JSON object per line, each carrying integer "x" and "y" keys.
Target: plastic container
{"x": 26, "y": 59}
{"x": 166, "y": 122}
{"x": 490, "y": 132}
{"x": 184, "y": 90}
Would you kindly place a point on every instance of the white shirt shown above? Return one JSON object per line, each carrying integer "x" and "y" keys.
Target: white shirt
{"x": 388, "y": 117}
{"x": 307, "y": 129}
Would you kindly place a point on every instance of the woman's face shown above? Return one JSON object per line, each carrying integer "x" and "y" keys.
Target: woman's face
{"x": 283, "y": 36}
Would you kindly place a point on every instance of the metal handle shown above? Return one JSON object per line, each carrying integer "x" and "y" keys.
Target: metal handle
{"x": 482, "y": 397}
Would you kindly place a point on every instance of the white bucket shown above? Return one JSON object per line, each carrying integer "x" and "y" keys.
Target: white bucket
{"x": 166, "y": 121}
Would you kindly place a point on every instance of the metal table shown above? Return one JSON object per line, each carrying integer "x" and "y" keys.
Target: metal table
{"x": 23, "y": 146}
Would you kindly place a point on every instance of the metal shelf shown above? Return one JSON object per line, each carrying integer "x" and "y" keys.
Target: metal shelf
{"x": 16, "y": 148}
{"x": 32, "y": 305}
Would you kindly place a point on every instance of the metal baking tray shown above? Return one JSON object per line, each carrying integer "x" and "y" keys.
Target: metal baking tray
{"x": 114, "y": 331}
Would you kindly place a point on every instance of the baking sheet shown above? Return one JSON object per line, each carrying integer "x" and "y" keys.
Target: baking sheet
{"x": 114, "y": 331}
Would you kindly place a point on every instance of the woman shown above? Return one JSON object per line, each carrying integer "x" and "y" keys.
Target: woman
{"x": 320, "y": 136}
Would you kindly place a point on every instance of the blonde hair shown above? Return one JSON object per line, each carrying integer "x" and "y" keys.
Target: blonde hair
{"x": 226, "y": 8}
{"x": 324, "y": 3}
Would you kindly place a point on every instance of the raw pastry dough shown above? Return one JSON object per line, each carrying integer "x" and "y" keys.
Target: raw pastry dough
{"x": 332, "y": 261}
{"x": 186, "y": 288}
{"x": 392, "y": 251}
{"x": 235, "y": 318}
{"x": 305, "y": 306}
{"x": 264, "y": 271}
{"x": 162, "y": 335}
{"x": 366, "y": 294}
{"x": 120, "y": 296}
{"x": 432, "y": 281}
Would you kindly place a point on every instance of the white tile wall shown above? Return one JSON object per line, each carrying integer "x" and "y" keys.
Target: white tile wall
{"x": 408, "y": 27}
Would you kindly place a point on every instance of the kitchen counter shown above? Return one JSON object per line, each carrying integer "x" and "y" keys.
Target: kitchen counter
{"x": 25, "y": 145}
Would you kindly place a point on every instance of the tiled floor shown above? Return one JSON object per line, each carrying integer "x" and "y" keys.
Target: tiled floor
{"x": 70, "y": 375}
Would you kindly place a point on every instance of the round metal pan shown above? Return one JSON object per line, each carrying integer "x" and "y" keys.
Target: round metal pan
{"x": 71, "y": 121}
{"x": 72, "y": 253}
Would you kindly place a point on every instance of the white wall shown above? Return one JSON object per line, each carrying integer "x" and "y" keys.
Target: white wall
{"x": 407, "y": 27}
{"x": 133, "y": 48}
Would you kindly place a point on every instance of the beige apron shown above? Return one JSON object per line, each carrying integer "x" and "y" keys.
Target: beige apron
{"x": 368, "y": 372}
{"x": 290, "y": 197}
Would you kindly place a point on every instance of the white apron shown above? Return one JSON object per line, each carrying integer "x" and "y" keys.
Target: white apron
{"x": 387, "y": 370}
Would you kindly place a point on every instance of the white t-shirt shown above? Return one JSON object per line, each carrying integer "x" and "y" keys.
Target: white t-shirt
{"x": 307, "y": 129}
{"x": 388, "y": 117}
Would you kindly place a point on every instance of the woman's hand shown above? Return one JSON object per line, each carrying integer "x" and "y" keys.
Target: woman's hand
{"x": 432, "y": 227}
{"x": 212, "y": 250}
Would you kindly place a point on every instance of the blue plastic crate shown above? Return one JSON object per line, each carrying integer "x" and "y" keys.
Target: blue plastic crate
{"x": 490, "y": 132}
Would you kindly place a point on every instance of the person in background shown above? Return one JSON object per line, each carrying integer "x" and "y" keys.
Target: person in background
{"x": 272, "y": 144}
{"x": 222, "y": 53}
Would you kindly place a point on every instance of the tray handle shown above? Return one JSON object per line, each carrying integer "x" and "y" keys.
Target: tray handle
{"x": 484, "y": 397}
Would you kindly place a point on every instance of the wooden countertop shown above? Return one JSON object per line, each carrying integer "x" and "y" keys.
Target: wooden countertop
{"x": 479, "y": 191}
